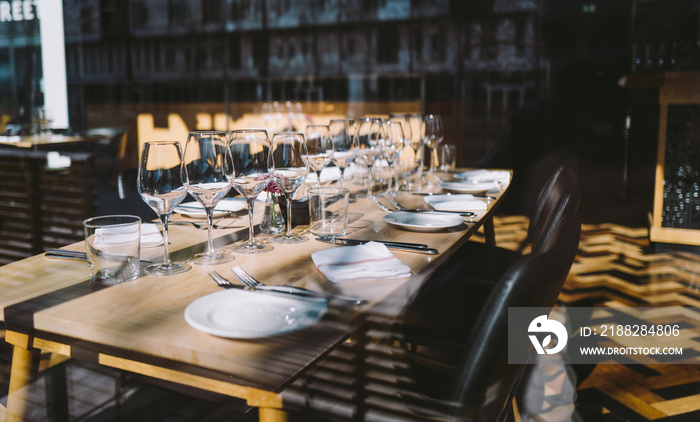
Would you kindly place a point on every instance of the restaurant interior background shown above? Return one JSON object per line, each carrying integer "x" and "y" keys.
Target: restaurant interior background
{"x": 519, "y": 83}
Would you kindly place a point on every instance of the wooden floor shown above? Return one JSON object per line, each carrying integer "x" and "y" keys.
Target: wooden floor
{"x": 615, "y": 266}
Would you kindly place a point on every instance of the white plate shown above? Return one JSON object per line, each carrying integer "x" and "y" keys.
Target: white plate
{"x": 245, "y": 314}
{"x": 455, "y": 202}
{"x": 225, "y": 206}
{"x": 465, "y": 187}
{"x": 423, "y": 222}
{"x": 482, "y": 175}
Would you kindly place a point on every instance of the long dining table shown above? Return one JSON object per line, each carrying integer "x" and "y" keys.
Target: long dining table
{"x": 49, "y": 305}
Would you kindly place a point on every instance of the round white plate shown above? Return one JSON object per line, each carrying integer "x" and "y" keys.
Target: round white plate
{"x": 423, "y": 222}
{"x": 474, "y": 176}
{"x": 464, "y": 187}
{"x": 455, "y": 202}
{"x": 248, "y": 314}
{"x": 192, "y": 209}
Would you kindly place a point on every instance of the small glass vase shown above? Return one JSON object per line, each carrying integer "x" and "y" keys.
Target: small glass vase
{"x": 272, "y": 220}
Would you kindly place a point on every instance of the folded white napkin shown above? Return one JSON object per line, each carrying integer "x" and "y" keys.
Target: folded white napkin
{"x": 117, "y": 236}
{"x": 150, "y": 235}
{"x": 369, "y": 261}
{"x": 483, "y": 175}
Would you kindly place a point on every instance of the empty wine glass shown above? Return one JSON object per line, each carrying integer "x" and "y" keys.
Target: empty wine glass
{"x": 209, "y": 172}
{"x": 288, "y": 168}
{"x": 162, "y": 186}
{"x": 432, "y": 133}
{"x": 370, "y": 142}
{"x": 394, "y": 145}
{"x": 250, "y": 149}
{"x": 319, "y": 146}
{"x": 344, "y": 144}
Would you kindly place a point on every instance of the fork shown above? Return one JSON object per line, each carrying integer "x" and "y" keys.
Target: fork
{"x": 249, "y": 281}
{"x": 402, "y": 208}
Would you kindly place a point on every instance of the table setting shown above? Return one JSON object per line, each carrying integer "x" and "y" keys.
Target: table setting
{"x": 215, "y": 300}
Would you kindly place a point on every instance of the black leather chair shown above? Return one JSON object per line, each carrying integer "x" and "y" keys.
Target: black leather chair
{"x": 454, "y": 334}
{"x": 560, "y": 194}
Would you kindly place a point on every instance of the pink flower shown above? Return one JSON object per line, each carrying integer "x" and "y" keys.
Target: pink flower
{"x": 273, "y": 188}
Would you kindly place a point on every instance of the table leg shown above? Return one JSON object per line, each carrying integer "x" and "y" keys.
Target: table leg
{"x": 268, "y": 414}
{"x": 269, "y": 405}
{"x": 489, "y": 232}
{"x": 25, "y": 367}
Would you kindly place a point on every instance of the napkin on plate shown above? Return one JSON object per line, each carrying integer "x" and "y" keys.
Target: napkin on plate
{"x": 150, "y": 235}
{"x": 475, "y": 176}
{"x": 369, "y": 261}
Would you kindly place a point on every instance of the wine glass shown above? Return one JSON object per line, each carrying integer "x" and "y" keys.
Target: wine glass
{"x": 370, "y": 142}
{"x": 394, "y": 145}
{"x": 344, "y": 143}
{"x": 162, "y": 186}
{"x": 288, "y": 167}
{"x": 319, "y": 146}
{"x": 249, "y": 150}
{"x": 432, "y": 132}
{"x": 209, "y": 172}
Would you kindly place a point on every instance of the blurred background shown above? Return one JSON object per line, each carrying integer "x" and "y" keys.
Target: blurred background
{"x": 520, "y": 83}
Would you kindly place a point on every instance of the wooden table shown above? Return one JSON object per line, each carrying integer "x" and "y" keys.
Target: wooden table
{"x": 139, "y": 326}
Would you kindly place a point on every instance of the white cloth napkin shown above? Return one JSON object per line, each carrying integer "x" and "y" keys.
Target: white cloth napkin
{"x": 369, "y": 261}
{"x": 483, "y": 175}
{"x": 150, "y": 235}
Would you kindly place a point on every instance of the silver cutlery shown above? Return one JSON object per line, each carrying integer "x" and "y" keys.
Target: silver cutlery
{"x": 487, "y": 197}
{"x": 420, "y": 210}
{"x": 387, "y": 242}
{"x": 405, "y": 247}
{"x": 80, "y": 256}
{"x": 249, "y": 281}
{"x": 203, "y": 225}
{"x": 224, "y": 283}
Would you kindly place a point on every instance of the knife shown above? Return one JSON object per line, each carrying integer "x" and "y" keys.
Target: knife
{"x": 388, "y": 242}
{"x": 398, "y": 247}
{"x": 80, "y": 256}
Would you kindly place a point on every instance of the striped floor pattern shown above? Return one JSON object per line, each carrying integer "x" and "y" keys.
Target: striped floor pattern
{"x": 616, "y": 266}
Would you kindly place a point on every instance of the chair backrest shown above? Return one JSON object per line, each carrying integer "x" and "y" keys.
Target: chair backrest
{"x": 486, "y": 383}
{"x": 561, "y": 195}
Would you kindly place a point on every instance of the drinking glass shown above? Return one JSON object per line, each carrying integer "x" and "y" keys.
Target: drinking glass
{"x": 209, "y": 172}
{"x": 288, "y": 167}
{"x": 162, "y": 186}
{"x": 370, "y": 143}
{"x": 319, "y": 146}
{"x": 344, "y": 143}
{"x": 394, "y": 145}
{"x": 432, "y": 132}
{"x": 249, "y": 150}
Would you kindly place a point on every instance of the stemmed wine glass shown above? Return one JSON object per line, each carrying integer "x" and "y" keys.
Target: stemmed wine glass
{"x": 250, "y": 149}
{"x": 319, "y": 145}
{"x": 209, "y": 172}
{"x": 370, "y": 142}
{"x": 288, "y": 167}
{"x": 394, "y": 145}
{"x": 162, "y": 186}
{"x": 415, "y": 174}
{"x": 344, "y": 144}
{"x": 432, "y": 133}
